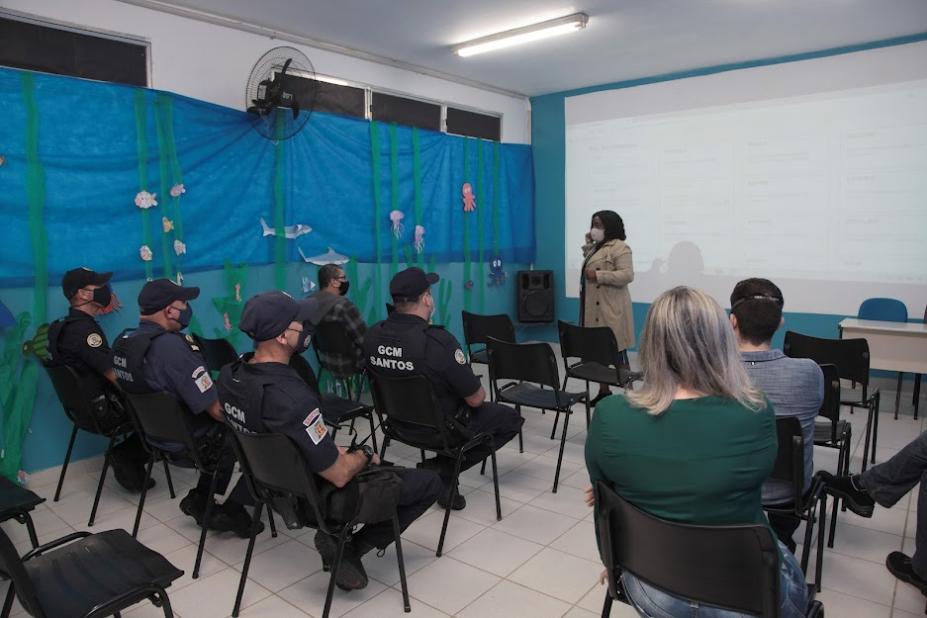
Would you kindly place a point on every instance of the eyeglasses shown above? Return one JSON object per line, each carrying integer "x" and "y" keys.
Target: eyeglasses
{"x": 293, "y": 329}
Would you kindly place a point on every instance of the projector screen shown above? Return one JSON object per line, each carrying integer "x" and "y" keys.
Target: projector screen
{"x": 811, "y": 173}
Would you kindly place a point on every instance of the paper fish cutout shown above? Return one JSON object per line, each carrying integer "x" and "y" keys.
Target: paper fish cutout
{"x": 496, "y": 274}
{"x": 309, "y": 285}
{"x": 289, "y": 231}
{"x": 167, "y": 225}
{"x": 145, "y": 253}
{"x": 178, "y": 190}
{"x": 329, "y": 257}
{"x": 180, "y": 248}
{"x": 145, "y": 200}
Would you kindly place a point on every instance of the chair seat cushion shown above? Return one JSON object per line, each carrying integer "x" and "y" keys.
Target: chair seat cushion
{"x": 337, "y": 410}
{"x": 73, "y": 579}
{"x": 596, "y": 372}
{"x": 15, "y": 500}
{"x": 822, "y": 432}
{"x": 526, "y": 394}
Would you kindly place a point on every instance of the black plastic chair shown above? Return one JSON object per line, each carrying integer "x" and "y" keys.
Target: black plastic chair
{"x": 732, "y": 567}
{"x": 410, "y": 414}
{"x": 81, "y": 410}
{"x": 807, "y": 506}
{"x": 274, "y": 466}
{"x": 533, "y": 367}
{"x": 338, "y": 412}
{"x": 84, "y": 574}
{"x": 477, "y": 331}
{"x": 851, "y": 356}
{"x": 331, "y": 340}
{"x": 217, "y": 352}
{"x": 596, "y": 352}
{"x": 162, "y": 418}
{"x": 17, "y": 503}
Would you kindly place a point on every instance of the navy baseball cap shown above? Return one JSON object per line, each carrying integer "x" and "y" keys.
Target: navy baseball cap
{"x": 411, "y": 283}
{"x": 158, "y": 294}
{"x": 78, "y": 278}
{"x": 268, "y": 314}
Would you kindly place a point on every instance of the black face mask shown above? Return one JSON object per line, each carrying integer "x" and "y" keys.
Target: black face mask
{"x": 344, "y": 287}
{"x": 103, "y": 296}
{"x": 186, "y": 315}
{"x": 303, "y": 339}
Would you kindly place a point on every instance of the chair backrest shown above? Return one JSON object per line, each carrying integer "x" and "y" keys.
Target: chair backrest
{"x": 733, "y": 567}
{"x": 331, "y": 339}
{"x": 410, "y": 402}
{"x": 217, "y": 352}
{"x": 73, "y": 397}
{"x": 304, "y": 369}
{"x": 595, "y": 344}
{"x": 885, "y": 309}
{"x": 159, "y": 416}
{"x": 478, "y": 328}
{"x": 274, "y": 465}
{"x": 790, "y": 458}
{"x": 12, "y": 566}
{"x": 523, "y": 362}
{"x": 830, "y": 406}
{"x": 851, "y": 356}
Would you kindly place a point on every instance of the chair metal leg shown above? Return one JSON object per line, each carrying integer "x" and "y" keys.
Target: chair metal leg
{"x": 483, "y": 467}
{"x": 256, "y": 517}
{"x": 495, "y": 484}
{"x": 450, "y": 503}
{"x": 607, "y": 606}
{"x": 875, "y": 427}
{"x": 373, "y": 432}
{"x": 170, "y": 481}
{"x": 833, "y": 523}
{"x": 566, "y": 422}
{"x": 30, "y": 528}
{"x": 812, "y": 517}
{"x": 96, "y": 499}
{"x": 166, "y": 605}
{"x": 342, "y": 539}
{"x": 64, "y": 466}
{"x": 898, "y": 394}
{"x": 270, "y": 521}
{"x": 819, "y": 565}
{"x": 210, "y": 504}
{"x": 553, "y": 430}
{"x": 866, "y": 440}
{"x": 397, "y": 539}
{"x": 521, "y": 442}
{"x": 8, "y": 602}
{"x": 588, "y": 411}
{"x": 383, "y": 448}
{"x": 141, "y": 498}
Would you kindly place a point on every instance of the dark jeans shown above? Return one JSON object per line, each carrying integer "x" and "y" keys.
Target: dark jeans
{"x": 784, "y": 526}
{"x": 890, "y": 481}
{"x": 501, "y": 421}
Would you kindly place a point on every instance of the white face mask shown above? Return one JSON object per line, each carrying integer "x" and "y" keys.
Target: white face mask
{"x": 597, "y": 234}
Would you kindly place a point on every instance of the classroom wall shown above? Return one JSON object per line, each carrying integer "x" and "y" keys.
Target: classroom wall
{"x": 548, "y": 145}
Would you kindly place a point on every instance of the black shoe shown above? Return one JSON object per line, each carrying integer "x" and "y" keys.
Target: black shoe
{"x": 194, "y": 505}
{"x": 901, "y": 567}
{"x": 854, "y": 495}
{"x": 130, "y": 475}
{"x": 233, "y": 517}
{"x": 600, "y": 397}
{"x": 351, "y": 574}
{"x": 460, "y": 503}
{"x": 432, "y": 463}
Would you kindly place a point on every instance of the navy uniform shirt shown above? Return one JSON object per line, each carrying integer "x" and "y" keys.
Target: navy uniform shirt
{"x": 288, "y": 406}
{"x": 82, "y": 345}
{"x": 174, "y": 364}
{"x": 392, "y": 349}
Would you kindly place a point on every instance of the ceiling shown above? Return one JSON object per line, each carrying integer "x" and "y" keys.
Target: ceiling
{"x": 625, "y": 39}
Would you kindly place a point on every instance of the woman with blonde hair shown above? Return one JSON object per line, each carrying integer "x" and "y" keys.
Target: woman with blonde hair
{"x": 694, "y": 444}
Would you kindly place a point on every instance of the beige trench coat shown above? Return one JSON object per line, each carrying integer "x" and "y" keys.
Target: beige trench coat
{"x": 607, "y": 301}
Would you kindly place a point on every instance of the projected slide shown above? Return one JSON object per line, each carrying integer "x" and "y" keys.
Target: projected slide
{"x": 824, "y": 192}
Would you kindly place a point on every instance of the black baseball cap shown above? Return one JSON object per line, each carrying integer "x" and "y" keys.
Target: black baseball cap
{"x": 78, "y": 278}
{"x": 268, "y": 314}
{"x": 409, "y": 284}
{"x": 158, "y": 294}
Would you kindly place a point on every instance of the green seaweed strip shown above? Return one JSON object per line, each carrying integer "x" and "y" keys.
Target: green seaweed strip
{"x": 279, "y": 205}
{"x": 417, "y": 186}
{"x": 468, "y": 275}
{"x": 375, "y": 169}
{"x": 394, "y": 193}
{"x": 35, "y": 195}
{"x": 481, "y": 201}
{"x": 495, "y": 199}
{"x": 141, "y": 143}
{"x": 176, "y": 172}
{"x": 167, "y": 248}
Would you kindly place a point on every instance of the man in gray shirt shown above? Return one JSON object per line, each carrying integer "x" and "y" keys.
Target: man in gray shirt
{"x": 794, "y": 386}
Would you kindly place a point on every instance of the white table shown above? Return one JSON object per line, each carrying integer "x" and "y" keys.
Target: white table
{"x": 893, "y": 346}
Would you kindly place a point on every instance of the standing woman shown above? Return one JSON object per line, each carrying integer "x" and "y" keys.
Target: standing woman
{"x": 604, "y": 299}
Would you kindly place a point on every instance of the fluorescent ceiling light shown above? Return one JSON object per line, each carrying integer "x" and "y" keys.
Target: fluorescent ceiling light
{"x": 526, "y": 34}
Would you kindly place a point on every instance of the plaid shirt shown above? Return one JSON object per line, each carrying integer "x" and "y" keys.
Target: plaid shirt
{"x": 345, "y": 313}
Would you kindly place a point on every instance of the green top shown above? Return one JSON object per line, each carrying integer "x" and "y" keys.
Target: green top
{"x": 703, "y": 461}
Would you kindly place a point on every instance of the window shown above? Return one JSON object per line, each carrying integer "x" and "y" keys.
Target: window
{"x": 38, "y": 47}
{"x": 473, "y": 124}
{"x": 329, "y": 97}
{"x": 411, "y": 112}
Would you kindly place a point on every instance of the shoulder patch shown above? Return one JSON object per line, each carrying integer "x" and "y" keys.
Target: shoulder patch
{"x": 191, "y": 342}
{"x": 202, "y": 379}
{"x": 459, "y": 357}
{"x": 94, "y": 340}
{"x": 315, "y": 426}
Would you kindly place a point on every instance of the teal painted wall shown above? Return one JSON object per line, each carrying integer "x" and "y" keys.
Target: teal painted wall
{"x": 547, "y": 141}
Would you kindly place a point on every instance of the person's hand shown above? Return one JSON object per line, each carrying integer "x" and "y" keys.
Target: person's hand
{"x": 603, "y": 577}
{"x": 589, "y": 496}
{"x": 590, "y": 275}
{"x": 375, "y": 460}
{"x": 342, "y": 449}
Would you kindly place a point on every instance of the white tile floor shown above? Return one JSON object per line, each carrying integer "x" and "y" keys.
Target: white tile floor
{"x": 539, "y": 561}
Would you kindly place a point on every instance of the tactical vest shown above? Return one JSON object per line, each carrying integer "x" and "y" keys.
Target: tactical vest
{"x": 396, "y": 353}
{"x": 129, "y": 352}
{"x": 242, "y": 399}
{"x": 54, "y": 332}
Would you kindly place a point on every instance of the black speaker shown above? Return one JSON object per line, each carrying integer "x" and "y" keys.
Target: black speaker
{"x": 535, "y": 296}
